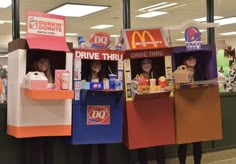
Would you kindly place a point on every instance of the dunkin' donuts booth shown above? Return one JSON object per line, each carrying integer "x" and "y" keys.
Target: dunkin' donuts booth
{"x": 35, "y": 106}
{"x": 97, "y": 110}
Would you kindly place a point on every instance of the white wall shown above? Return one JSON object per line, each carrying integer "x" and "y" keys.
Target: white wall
{"x": 3, "y": 60}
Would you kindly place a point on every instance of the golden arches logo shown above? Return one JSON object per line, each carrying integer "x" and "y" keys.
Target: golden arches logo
{"x": 143, "y": 39}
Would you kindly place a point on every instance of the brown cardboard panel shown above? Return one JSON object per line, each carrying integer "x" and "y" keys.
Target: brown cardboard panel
{"x": 198, "y": 114}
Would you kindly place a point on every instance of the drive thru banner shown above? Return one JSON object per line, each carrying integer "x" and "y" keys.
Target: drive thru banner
{"x": 46, "y": 31}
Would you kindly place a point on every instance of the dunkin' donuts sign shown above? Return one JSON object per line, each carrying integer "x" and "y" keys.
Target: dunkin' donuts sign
{"x": 98, "y": 114}
{"x": 45, "y": 24}
{"x": 144, "y": 39}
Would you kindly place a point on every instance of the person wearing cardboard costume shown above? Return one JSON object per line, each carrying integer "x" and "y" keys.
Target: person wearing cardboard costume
{"x": 146, "y": 66}
{"x": 192, "y": 66}
{"x": 42, "y": 146}
{"x": 96, "y": 75}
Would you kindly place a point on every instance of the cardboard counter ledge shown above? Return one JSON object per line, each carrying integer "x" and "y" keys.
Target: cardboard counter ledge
{"x": 197, "y": 106}
{"x": 97, "y": 112}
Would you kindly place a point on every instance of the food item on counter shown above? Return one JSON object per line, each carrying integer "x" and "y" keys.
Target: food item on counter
{"x": 143, "y": 88}
{"x": 162, "y": 81}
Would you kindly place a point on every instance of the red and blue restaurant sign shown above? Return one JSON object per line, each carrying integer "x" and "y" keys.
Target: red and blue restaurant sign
{"x": 193, "y": 38}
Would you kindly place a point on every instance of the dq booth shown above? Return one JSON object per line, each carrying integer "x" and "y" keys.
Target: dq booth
{"x": 149, "y": 104}
{"x": 97, "y": 115}
{"x": 37, "y": 106}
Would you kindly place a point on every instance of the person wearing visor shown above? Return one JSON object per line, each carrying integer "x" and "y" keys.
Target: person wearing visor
{"x": 147, "y": 71}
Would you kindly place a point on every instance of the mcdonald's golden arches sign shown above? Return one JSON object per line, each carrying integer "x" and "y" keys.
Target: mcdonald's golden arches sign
{"x": 144, "y": 39}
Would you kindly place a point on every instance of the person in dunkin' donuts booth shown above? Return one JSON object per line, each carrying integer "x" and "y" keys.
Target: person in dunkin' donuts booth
{"x": 42, "y": 63}
{"x": 147, "y": 72}
{"x": 42, "y": 146}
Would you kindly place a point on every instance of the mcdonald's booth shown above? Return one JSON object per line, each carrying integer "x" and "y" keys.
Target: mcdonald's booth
{"x": 97, "y": 112}
{"x": 149, "y": 107}
{"x": 35, "y": 106}
{"x": 197, "y": 104}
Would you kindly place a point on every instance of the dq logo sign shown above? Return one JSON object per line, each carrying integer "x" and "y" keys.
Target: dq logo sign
{"x": 145, "y": 39}
{"x": 100, "y": 40}
{"x": 98, "y": 114}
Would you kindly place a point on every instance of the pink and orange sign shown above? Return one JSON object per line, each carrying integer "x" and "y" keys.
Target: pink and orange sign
{"x": 98, "y": 114}
{"x": 144, "y": 39}
{"x": 46, "y": 31}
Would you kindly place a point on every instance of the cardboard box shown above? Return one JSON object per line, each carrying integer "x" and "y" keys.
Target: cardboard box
{"x": 92, "y": 85}
{"x": 58, "y": 72}
{"x": 182, "y": 75}
{"x": 35, "y": 80}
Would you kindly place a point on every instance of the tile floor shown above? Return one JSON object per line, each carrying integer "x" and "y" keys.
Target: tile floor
{"x": 217, "y": 157}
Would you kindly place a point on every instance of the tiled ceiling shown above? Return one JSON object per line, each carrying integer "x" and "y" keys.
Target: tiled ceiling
{"x": 188, "y": 9}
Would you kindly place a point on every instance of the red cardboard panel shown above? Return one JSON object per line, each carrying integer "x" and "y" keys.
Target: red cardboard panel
{"x": 46, "y": 44}
{"x": 149, "y": 122}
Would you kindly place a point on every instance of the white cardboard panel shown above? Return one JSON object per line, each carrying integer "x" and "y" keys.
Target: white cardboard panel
{"x": 23, "y": 111}
{"x": 69, "y": 62}
{"x": 16, "y": 66}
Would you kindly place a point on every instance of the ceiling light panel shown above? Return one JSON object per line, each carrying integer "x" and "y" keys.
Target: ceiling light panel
{"x": 151, "y": 14}
{"x": 76, "y": 10}
{"x": 162, "y": 7}
{"x": 148, "y": 7}
{"x": 102, "y": 26}
{"x": 5, "y": 3}
{"x": 226, "y": 21}
{"x": 71, "y": 34}
{"x": 228, "y": 33}
{"x": 180, "y": 40}
{"x": 114, "y": 36}
{"x": 204, "y": 19}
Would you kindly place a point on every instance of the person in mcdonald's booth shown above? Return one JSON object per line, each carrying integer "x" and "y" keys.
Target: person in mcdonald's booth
{"x": 146, "y": 70}
{"x": 192, "y": 64}
{"x": 42, "y": 146}
{"x": 96, "y": 74}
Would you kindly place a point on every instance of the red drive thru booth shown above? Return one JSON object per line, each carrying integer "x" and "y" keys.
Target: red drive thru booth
{"x": 39, "y": 104}
{"x": 149, "y": 107}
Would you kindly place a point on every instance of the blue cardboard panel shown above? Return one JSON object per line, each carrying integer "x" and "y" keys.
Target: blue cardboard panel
{"x": 95, "y": 134}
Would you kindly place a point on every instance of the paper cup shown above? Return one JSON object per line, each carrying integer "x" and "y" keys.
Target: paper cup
{"x": 112, "y": 78}
{"x": 65, "y": 77}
